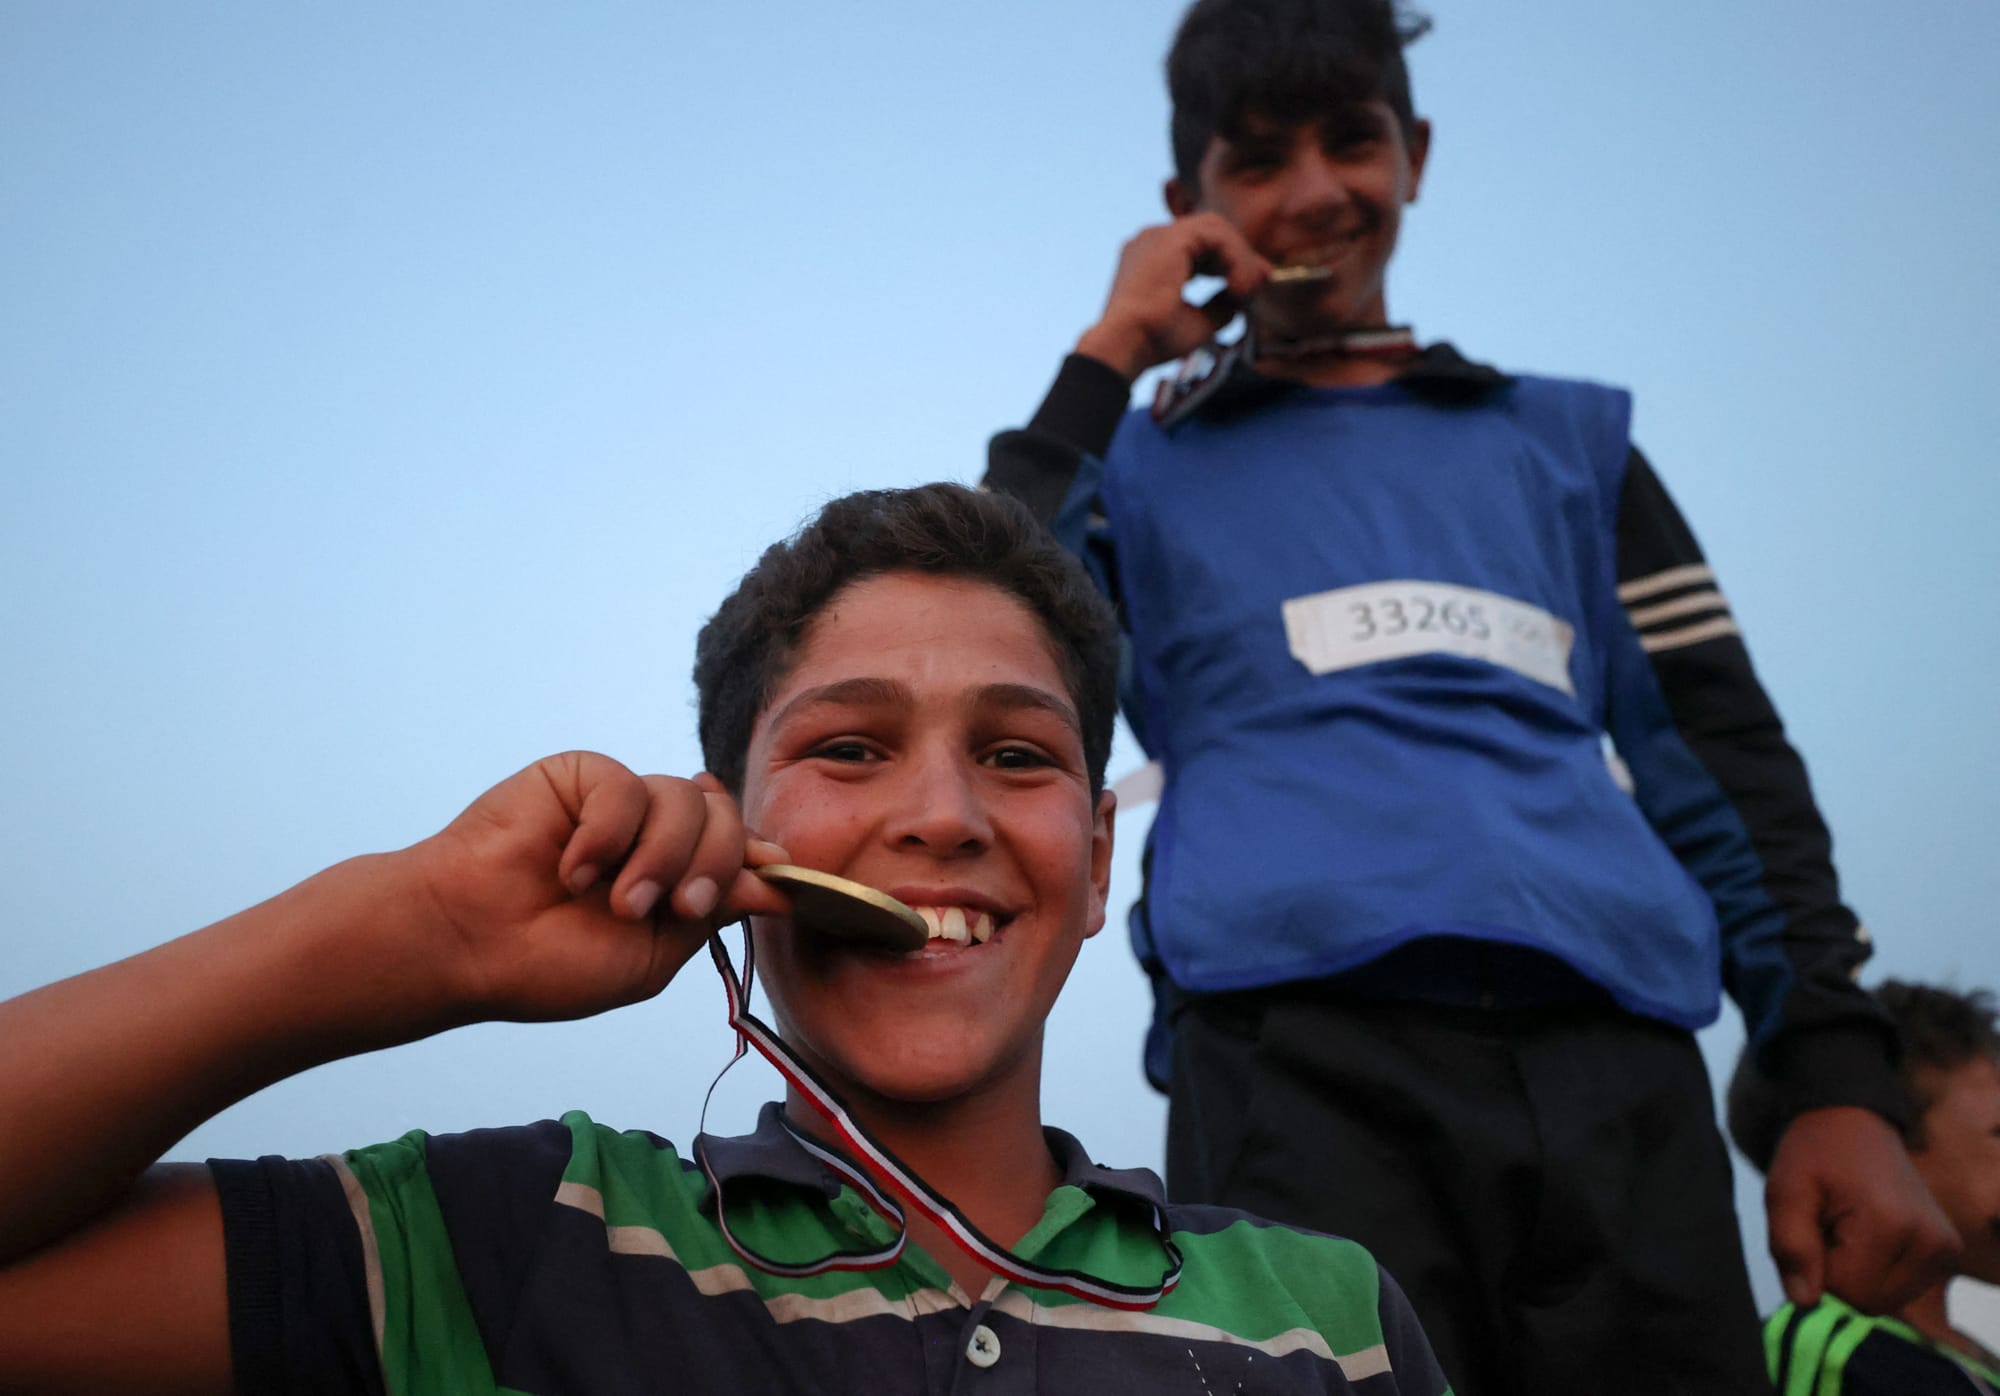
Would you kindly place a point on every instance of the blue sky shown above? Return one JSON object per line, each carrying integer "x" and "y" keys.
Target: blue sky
{"x": 386, "y": 397}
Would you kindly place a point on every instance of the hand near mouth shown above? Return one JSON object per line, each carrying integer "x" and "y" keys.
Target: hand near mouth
{"x": 1146, "y": 319}
{"x": 577, "y": 885}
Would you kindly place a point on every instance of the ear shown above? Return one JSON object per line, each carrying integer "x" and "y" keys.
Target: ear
{"x": 1419, "y": 152}
{"x": 1180, "y": 199}
{"x": 1100, "y": 862}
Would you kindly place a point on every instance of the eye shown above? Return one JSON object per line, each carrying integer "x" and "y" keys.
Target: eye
{"x": 1016, "y": 757}
{"x": 844, "y": 749}
{"x": 1257, "y": 161}
{"x": 1349, "y": 139}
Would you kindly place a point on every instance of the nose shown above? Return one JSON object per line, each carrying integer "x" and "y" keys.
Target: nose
{"x": 939, "y": 806}
{"x": 1315, "y": 185}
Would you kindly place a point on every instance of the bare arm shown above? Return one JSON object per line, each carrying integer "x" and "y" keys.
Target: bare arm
{"x": 134, "y": 1302}
{"x": 570, "y": 888}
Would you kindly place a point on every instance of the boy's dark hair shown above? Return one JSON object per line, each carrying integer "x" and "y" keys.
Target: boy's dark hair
{"x": 1290, "y": 61}
{"x": 748, "y": 645}
{"x": 1939, "y": 1031}
{"x": 1936, "y": 1030}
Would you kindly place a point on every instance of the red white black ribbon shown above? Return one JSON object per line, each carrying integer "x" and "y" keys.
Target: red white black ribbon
{"x": 1373, "y": 342}
{"x": 899, "y": 1180}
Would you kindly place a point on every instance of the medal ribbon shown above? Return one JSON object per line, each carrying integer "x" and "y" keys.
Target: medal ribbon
{"x": 1380, "y": 342}
{"x": 899, "y": 1180}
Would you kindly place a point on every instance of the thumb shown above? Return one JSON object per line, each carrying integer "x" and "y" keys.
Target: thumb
{"x": 1797, "y": 1243}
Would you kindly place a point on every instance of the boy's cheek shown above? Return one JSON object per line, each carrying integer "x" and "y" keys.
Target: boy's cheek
{"x": 811, "y": 824}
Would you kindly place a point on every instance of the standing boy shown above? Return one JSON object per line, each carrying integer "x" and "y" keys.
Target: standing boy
{"x": 1425, "y": 973}
{"x": 916, "y": 692}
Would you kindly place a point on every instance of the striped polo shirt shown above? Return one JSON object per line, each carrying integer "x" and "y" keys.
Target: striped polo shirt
{"x": 568, "y": 1257}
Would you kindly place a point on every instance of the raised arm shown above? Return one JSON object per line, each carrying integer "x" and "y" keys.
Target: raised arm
{"x": 1145, "y": 322}
{"x": 572, "y": 887}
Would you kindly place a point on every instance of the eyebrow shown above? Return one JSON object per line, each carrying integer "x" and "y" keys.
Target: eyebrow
{"x": 874, "y": 692}
{"x": 1026, "y": 696}
{"x": 854, "y": 693}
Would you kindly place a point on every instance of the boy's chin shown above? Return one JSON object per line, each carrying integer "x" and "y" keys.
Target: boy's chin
{"x": 1295, "y": 329}
{"x": 1333, "y": 311}
{"x": 927, "y": 1067}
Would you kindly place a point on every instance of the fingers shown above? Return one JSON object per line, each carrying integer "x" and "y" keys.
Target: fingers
{"x": 1202, "y": 244}
{"x": 745, "y": 893}
{"x": 672, "y": 847}
{"x": 669, "y": 846}
{"x": 1792, "y": 1210}
{"x": 750, "y": 895}
{"x": 687, "y": 843}
{"x": 1216, "y": 248}
{"x": 1146, "y": 319}
{"x": 1849, "y": 1213}
{"x": 758, "y": 853}
{"x": 607, "y": 817}
{"x": 1886, "y": 1255}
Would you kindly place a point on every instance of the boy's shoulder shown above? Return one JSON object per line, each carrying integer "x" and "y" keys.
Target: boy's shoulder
{"x": 1832, "y": 1346}
{"x": 1300, "y": 1291}
{"x": 1234, "y": 1255}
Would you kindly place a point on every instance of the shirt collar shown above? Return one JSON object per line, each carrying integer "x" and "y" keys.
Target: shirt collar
{"x": 770, "y": 1153}
{"x": 1232, "y": 386}
{"x": 1441, "y": 369}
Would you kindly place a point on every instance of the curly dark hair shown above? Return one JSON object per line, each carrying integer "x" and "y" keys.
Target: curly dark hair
{"x": 1289, "y": 61}
{"x": 749, "y": 644}
{"x": 1937, "y": 1030}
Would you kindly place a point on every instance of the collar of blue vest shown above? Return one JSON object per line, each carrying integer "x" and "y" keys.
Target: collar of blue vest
{"x": 1221, "y": 380}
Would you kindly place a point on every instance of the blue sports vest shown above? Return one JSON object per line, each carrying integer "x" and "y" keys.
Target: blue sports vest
{"x": 1370, "y": 639}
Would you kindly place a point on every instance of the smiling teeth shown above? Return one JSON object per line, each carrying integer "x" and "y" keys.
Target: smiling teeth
{"x": 957, "y": 925}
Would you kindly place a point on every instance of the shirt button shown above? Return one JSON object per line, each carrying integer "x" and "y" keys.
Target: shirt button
{"x": 984, "y": 1349}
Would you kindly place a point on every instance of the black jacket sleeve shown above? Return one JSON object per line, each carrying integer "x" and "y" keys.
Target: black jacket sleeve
{"x": 1790, "y": 948}
{"x": 1052, "y": 464}
{"x": 1039, "y": 463}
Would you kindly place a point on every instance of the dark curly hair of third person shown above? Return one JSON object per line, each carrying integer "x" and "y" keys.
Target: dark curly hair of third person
{"x": 1937, "y": 1030}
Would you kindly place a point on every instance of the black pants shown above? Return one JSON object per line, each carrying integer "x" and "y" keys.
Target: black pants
{"x": 1547, "y": 1184}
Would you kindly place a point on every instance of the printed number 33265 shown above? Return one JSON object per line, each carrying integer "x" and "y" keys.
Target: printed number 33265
{"x": 1391, "y": 615}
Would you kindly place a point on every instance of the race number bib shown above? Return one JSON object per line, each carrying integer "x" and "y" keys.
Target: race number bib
{"x": 1352, "y": 626}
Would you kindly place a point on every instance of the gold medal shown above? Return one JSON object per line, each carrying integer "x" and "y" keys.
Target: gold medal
{"x": 847, "y": 910}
